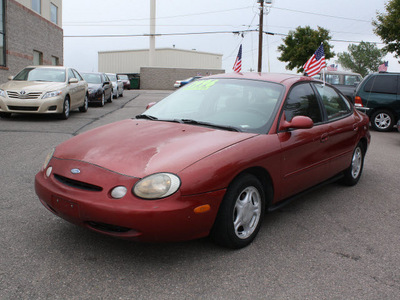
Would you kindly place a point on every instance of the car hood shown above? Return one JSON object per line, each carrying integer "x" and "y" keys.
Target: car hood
{"x": 29, "y": 86}
{"x": 140, "y": 147}
{"x": 94, "y": 85}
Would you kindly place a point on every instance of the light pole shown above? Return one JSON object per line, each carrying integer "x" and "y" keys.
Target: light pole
{"x": 260, "y": 31}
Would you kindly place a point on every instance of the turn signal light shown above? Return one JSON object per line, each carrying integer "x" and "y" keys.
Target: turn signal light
{"x": 358, "y": 101}
{"x": 202, "y": 209}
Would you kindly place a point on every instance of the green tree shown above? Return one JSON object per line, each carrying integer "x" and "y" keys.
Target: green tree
{"x": 362, "y": 58}
{"x": 301, "y": 44}
{"x": 387, "y": 26}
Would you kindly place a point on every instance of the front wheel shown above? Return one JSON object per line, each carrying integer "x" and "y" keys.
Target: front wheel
{"x": 66, "y": 109}
{"x": 240, "y": 214}
{"x": 382, "y": 120}
{"x": 353, "y": 173}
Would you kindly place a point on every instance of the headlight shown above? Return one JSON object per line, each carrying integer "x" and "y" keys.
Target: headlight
{"x": 157, "y": 186}
{"x": 48, "y": 157}
{"x": 52, "y": 94}
{"x": 2, "y": 93}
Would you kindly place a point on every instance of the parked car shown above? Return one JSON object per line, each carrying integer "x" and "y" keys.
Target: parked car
{"x": 117, "y": 85}
{"x": 378, "y": 95}
{"x": 100, "y": 87}
{"x": 44, "y": 90}
{"x": 125, "y": 81}
{"x": 398, "y": 126}
{"x": 346, "y": 82}
{"x": 210, "y": 158}
{"x": 180, "y": 83}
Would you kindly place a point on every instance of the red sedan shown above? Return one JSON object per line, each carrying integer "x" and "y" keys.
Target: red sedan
{"x": 209, "y": 159}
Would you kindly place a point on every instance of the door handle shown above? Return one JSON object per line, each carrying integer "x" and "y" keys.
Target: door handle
{"x": 324, "y": 138}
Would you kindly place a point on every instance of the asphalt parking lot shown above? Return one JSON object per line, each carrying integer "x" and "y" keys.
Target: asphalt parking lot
{"x": 334, "y": 243}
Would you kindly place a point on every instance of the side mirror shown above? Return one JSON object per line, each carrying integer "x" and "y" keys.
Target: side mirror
{"x": 298, "y": 122}
{"x": 150, "y": 105}
{"x": 73, "y": 80}
{"x": 10, "y": 77}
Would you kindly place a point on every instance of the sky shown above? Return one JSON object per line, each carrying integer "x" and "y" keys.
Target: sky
{"x": 349, "y": 22}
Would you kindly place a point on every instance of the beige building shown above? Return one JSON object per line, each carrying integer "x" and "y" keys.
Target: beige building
{"x": 30, "y": 34}
{"x": 130, "y": 61}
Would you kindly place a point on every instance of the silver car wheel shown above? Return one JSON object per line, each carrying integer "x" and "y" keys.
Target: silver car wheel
{"x": 356, "y": 162}
{"x": 66, "y": 108}
{"x": 383, "y": 121}
{"x": 247, "y": 212}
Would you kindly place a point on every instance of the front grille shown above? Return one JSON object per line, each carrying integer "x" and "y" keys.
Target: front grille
{"x": 17, "y": 95}
{"x": 23, "y": 108}
{"x": 107, "y": 227}
{"x": 78, "y": 184}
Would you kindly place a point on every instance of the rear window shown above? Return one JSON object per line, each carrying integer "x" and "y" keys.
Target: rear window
{"x": 385, "y": 84}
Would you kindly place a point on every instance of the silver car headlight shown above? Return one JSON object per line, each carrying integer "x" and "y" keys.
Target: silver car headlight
{"x": 2, "y": 93}
{"x": 157, "y": 186}
{"x": 52, "y": 94}
{"x": 48, "y": 158}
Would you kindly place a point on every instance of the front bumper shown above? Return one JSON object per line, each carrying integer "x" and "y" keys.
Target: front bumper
{"x": 42, "y": 106}
{"x": 169, "y": 219}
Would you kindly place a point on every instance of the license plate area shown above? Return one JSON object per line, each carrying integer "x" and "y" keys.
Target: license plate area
{"x": 65, "y": 207}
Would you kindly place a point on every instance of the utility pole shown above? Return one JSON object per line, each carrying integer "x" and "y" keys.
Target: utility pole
{"x": 152, "y": 48}
{"x": 260, "y": 35}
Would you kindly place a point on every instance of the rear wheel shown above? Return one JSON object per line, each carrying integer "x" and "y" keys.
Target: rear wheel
{"x": 102, "y": 101}
{"x": 353, "y": 173}
{"x": 84, "y": 107}
{"x": 382, "y": 120}
{"x": 240, "y": 214}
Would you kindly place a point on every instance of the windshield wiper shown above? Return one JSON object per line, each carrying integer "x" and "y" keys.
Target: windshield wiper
{"x": 194, "y": 122}
{"x": 147, "y": 117}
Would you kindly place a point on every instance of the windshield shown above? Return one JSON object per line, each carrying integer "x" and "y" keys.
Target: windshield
{"x": 112, "y": 77}
{"x": 247, "y": 105}
{"x": 41, "y": 74}
{"x": 123, "y": 77}
{"x": 92, "y": 78}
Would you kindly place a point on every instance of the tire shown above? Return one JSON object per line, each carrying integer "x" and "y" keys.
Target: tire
{"x": 382, "y": 120}
{"x": 240, "y": 214}
{"x": 103, "y": 98}
{"x": 85, "y": 106}
{"x": 66, "y": 109}
{"x": 122, "y": 93}
{"x": 5, "y": 115}
{"x": 353, "y": 173}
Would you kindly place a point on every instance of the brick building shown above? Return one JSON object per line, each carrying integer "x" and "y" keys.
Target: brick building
{"x": 30, "y": 34}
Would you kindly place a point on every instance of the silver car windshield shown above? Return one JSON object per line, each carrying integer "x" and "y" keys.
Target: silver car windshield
{"x": 247, "y": 105}
{"x": 41, "y": 74}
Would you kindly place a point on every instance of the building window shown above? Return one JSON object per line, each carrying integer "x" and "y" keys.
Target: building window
{"x": 54, "y": 13}
{"x": 54, "y": 60}
{"x": 2, "y": 34}
{"x": 37, "y": 6}
{"x": 37, "y": 58}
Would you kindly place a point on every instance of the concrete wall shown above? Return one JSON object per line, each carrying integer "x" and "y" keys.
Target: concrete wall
{"x": 152, "y": 78}
{"x": 27, "y": 31}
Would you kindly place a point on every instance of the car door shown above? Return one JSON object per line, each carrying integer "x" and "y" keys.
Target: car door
{"x": 343, "y": 127}
{"x": 81, "y": 87}
{"x": 73, "y": 89}
{"x": 304, "y": 157}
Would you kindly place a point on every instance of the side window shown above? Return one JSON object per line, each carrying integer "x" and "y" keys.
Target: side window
{"x": 302, "y": 101}
{"x": 332, "y": 78}
{"x": 70, "y": 74}
{"x": 386, "y": 84}
{"x": 335, "y": 105}
{"x": 77, "y": 75}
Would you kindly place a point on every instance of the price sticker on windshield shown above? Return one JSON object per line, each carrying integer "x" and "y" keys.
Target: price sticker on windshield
{"x": 201, "y": 85}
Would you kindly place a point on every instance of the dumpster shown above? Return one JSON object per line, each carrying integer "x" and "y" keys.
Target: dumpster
{"x": 135, "y": 82}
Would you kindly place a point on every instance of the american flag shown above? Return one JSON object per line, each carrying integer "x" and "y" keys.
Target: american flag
{"x": 237, "y": 67}
{"x": 316, "y": 62}
{"x": 332, "y": 67}
{"x": 383, "y": 67}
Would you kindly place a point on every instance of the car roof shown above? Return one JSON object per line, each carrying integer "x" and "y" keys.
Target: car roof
{"x": 340, "y": 73}
{"x": 48, "y": 67}
{"x": 286, "y": 79}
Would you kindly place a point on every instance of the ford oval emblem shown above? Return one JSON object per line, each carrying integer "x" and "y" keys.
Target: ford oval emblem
{"x": 75, "y": 171}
